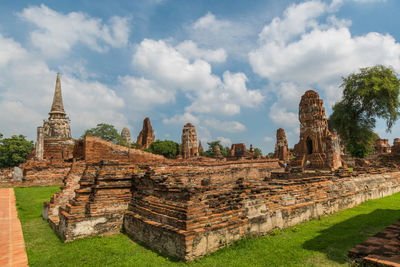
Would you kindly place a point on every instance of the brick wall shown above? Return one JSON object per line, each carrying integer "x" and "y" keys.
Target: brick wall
{"x": 36, "y": 173}
{"x": 187, "y": 217}
{"x": 97, "y": 149}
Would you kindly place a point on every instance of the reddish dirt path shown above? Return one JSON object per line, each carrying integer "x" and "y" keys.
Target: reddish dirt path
{"x": 12, "y": 246}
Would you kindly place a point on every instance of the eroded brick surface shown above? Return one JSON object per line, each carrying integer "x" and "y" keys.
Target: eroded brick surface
{"x": 383, "y": 249}
{"x": 281, "y": 146}
{"x": 317, "y": 147}
{"x": 188, "y": 213}
{"x": 146, "y": 135}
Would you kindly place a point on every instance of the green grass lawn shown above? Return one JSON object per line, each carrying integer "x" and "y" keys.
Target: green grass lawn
{"x": 322, "y": 242}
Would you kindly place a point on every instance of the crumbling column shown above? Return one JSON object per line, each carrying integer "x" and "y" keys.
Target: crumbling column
{"x": 39, "y": 143}
{"x": 189, "y": 141}
{"x": 281, "y": 146}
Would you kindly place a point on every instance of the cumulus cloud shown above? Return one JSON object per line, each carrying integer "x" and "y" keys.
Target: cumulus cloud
{"x": 163, "y": 62}
{"x": 369, "y": 1}
{"x": 301, "y": 51}
{"x": 208, "y": 94}
{"x": 182, "y": 119}
{"x": 27, "y": 87}
{"x": 190, "y": 50}
{"x": 57, "y": 33}
{"x": 225, "y": 126}
{"x": 224, "y": 141}
{"x": 145, "y": 93}
{"x": 282, "y": 117}
{"x": 234, "y": 36}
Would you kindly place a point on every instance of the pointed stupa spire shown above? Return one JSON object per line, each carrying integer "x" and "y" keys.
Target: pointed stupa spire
{"x": 57, "y": 107}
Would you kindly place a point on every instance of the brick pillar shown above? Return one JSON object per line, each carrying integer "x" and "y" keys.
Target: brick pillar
{"x": 39, "y": 143}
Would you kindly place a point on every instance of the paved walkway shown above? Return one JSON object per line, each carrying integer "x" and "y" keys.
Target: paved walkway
{"x": 12, "y": 246}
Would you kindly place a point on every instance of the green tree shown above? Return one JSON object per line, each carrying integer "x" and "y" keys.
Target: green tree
{"x": 106, "y": 132}
{"x": 211, "y": 145}
{"x": 257, "y": 151}
{"x": 372, "y": 93}
{"x": 167, "y": 148}
{"x": 14, "y": 150}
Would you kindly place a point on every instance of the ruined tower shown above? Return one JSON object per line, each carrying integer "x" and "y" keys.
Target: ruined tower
{"x": 189, "y": 141}
{"x": 146, "y": 135}
{"x": 57, "y": 126}
{"x": 217, "y": 152}
{"x": 395, "y": 150}
{"x": 126, "y": 135}
{"x": 382, "y": 146}
{"x": 281, "y": 146}
{"x": 201, "y": 149}
{"x": 54, "y": 139}
{"x": 317, "y": 144}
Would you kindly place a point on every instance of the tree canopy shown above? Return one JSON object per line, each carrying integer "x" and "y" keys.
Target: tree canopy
{"x": 211, "y": 145}
{"x": 257, "y": 151}
{"x": 14, "y": 150}
{"x": 167, "y": 148}
{"x": 106, "y": 132}
{"x": 370, "y": 94}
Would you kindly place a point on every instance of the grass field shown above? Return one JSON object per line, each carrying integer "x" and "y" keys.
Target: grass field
{"x": 322, "y": 242}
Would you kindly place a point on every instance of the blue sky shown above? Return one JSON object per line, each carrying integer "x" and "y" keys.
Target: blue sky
{"x": 235, "y": 69}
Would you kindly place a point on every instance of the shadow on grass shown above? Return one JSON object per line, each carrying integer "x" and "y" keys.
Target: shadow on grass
{"x": 335, "y": 241}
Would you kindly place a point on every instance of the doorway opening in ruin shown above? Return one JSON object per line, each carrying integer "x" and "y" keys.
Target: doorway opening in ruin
{"x": 309, "y": 145}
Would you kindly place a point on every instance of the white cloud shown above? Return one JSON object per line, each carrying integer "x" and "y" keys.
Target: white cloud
{"x": 190, "y": 50}
{"x": 227, "y": 98}
{"x": 224, "y": 141}
{"x": 182, "y": 119}
{"x": 14, "y": 115}
{"x": 145, "y": 93}
{"x": 282, "y": 117}
{"x": 268, "y": 139}
{"x": 234, "y": 36}
{"x": 165, "y": 64}
{"x": 211, "y": 23}
{"x": 226, "y": 126}
{"x": 296, "y": 20}
{"x": 27, "y": 87}
{"x": 168, "y": 67}
{"x": 90, "y": 102}
{"x": 370, "y": 1}
{"x": 298, "y": 52}
{"x": 57, "y": 33}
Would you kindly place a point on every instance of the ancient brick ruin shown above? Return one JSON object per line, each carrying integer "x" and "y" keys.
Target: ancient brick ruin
{"x": 318, "y": 147}
{"x": 201, "y": 149}
{"x": 126, "y": 136}
{"x": 54, "y": 141}
{"x": 217, "y": 152}
{"x": 240, "y": 152}
{"x": 192, "y": 206}
{"x": 281, "y": 146}
{"x": 395, "y": 150}
{"x": 381, "y": 249}
{"x": 146, "y": 135}
{"x": 381, "y": 146}
{"x": 189, "y": 141}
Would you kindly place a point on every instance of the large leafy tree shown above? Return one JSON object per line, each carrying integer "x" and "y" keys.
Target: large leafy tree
{"x": 167, "y": 148}
{"x": 257, "y": 151}
{"x": 14, "y": 150}
{"x": 106, "y": 132}
{"x": 370, "y": 94}
{"x": 211, "y": 146}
